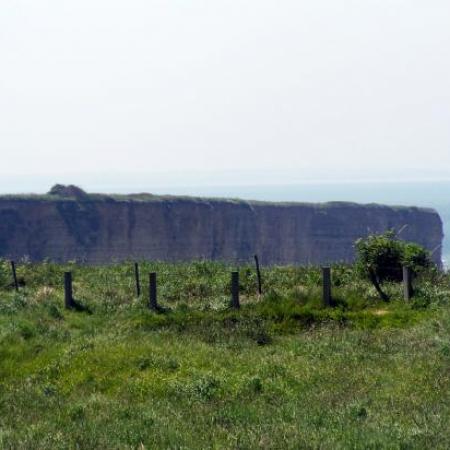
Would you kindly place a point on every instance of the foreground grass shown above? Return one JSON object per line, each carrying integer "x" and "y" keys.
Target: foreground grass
{"x": 281, "y": 373}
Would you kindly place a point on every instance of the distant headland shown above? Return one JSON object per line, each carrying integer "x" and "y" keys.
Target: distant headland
{"x": 68, "y": 223}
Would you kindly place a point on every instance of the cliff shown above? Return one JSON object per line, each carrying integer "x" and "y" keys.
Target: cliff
{"x": 68, "y": 224}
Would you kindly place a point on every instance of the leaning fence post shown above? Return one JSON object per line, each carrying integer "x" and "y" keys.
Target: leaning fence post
{"x": 136, "y": 277}
{"x": 326, "y": 281}
{"x": 258, "y": 274}
{"x": 235, "y": 290}
{"x": 14, "y": 274}
{"x": 407, "y": 284}
{"x": 68, "y": 292}
{"x": 153, "y": 304}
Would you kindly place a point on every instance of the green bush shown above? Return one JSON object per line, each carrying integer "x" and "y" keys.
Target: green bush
{"x": 384, "y": 256}
{"x": 415, "y": 257}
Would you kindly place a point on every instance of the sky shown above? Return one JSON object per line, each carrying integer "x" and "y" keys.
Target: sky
{"x": 252, "y": 90}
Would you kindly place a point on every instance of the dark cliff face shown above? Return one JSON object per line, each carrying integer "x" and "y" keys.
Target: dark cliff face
{"x": 100, "y": 229}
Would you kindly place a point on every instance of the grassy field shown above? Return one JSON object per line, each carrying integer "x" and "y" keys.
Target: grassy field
{"x": 282, "y": 372}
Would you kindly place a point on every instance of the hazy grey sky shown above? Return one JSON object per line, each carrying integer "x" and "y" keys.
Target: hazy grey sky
{"x": 145, "y": 85}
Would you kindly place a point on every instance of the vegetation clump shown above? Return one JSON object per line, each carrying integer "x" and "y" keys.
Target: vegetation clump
{"x": 381, "y": 258}
{"x": 70, "y": 191}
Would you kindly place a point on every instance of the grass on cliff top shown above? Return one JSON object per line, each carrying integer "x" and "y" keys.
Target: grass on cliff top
{"x": 283, "y": 372}
{"x": 157, "y": 198}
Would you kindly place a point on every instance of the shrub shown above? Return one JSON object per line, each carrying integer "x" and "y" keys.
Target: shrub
{"x": 415, "y": 257}
{"x": 381, "y": 257}
{"x": 385, "y": 255}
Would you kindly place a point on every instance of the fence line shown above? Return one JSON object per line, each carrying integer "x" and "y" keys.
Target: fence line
{"x": 136, "y": 277}
{"x": 14, "y": 275}
{"x": 326, "y": 281}
{"x": 152, "y": 288}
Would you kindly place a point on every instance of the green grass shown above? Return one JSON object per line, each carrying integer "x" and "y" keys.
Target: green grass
{"x": 282, "y": 372}
{"x": 157, "y": 198}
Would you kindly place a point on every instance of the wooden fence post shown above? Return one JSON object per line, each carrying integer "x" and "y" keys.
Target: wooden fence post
{"x": 326, "y": 282}
{"x": 408, "y": 291}
{"x": 14, "y": 275}
{"x": 136, "y": 277}
{"x": 68, "y": 292}
{"x": 258, "y": 274}
{"x": 153, "y": 304}
{"x": 235, "y": 290}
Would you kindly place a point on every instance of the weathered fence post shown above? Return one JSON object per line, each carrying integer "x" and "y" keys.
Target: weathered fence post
{"x": 326, "y": 282}
{"x": 68, "y": 292}
{"x": 258, "y": 274}
{"x": 408, "y": 291}
{"x": 14, "y": 275}
{"x": 153, "y": 292}
{"x": 136, "y": 277}
{"x": 235, "y": 290}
